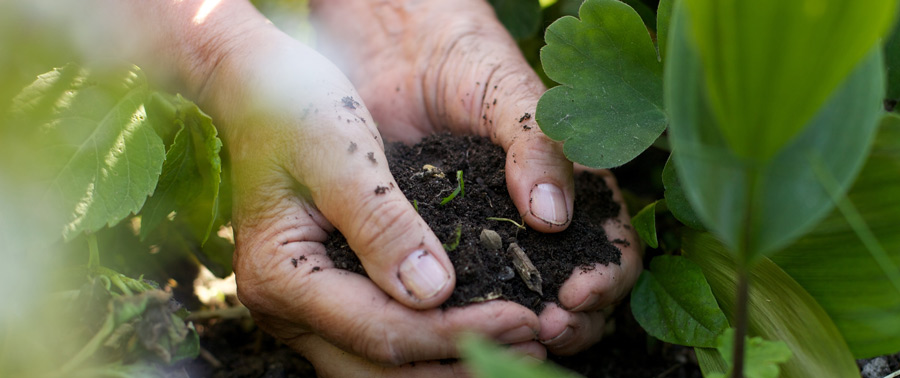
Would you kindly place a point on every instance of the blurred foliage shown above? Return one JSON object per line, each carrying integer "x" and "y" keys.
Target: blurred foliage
{"x": 487, "y": 360}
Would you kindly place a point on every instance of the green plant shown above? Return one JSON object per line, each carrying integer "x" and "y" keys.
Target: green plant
{"x": 115, "y": 162}
{"x": 755, "y": 101}
{"x": 460, "y": 189}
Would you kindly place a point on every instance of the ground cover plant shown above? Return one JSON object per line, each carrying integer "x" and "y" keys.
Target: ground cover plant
{"x": 772, "y": 239}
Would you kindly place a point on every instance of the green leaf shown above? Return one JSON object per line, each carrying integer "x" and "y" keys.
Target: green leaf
{"x": 99, "y": 155}
{"x": 189, "y": 183}
{"x": 769, "y": 65}
{"x": 609, "y": 106}
{"x": 644, "y": 223}
{"x": 892, "y": 63}
{"x": 673, "y": 302}
{"x": 460, "y": 189}
{"x": 761, "y": 356}
{"x": 487, "y": 360}
{"x": 758, "y": 207}
{"x": 836, "y": 268}
{"x": 675, "y": 198}
{"x": 521, "y": 17}
{"x": 663, "y": 18}
{"x": 778, "y": 309}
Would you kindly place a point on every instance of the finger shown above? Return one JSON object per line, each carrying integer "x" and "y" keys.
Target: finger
{"x": 331, "y": 361}
{"x": 590, "y": 290}
{"x": 567, "y": 333}
{"x": 350, "y": 312}
{"x": 337, "y": 160}
{"x": 532, "y": 349}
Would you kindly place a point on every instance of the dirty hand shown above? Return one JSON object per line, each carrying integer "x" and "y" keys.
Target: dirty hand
{"x": 429, "y": 65}
{"x": 306, "y": 158}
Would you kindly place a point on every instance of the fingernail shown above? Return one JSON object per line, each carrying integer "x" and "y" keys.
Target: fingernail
{"x": 516, "y": 335}
{"x": 548, "y": 202}
{"x": 423, "y": 275}
{"x": 558, "y": 338}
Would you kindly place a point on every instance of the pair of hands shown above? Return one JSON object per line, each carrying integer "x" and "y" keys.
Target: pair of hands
{"x": 419, "y": 67}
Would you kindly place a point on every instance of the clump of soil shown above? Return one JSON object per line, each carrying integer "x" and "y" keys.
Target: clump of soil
{"x": 427, "y": 174}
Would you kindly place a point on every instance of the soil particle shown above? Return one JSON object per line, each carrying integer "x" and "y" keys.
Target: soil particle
{"x": 294, "y": 262}
{"x": 349, "y": 102}
{"x": 379, "y": 190}
{"x": 482, "y": 273}
{"x": 315, "y": 269}
{"x": 352, "y": 147}
{"x": 371, "y": 157}
{"x": 525, "y": 117}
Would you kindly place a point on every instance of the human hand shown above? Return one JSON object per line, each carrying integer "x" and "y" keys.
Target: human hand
{"x": 306, "y": 158}
{"x": 426, "y": 66}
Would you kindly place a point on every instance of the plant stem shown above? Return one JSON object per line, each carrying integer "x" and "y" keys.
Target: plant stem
{"x": 740, "y": 319}
{"x": 94, "y": 257}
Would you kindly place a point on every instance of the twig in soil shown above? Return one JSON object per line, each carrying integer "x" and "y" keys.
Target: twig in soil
{"x": 668, "y": 371}
{"x": 210, "y": 359}
{"x": 526, "y": 269}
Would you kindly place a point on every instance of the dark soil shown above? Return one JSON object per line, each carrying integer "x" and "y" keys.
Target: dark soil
{"x": 427, "y": 174}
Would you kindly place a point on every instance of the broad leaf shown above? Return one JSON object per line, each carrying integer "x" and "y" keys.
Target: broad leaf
{"x": 769, "y": 65}
{"x": 644, "y": 223}
{"x": 663, "y": 18}
{"x": 761, "y": 356}
{"x": 673, "y": 302}
{"x": 758, "y": 207}
{"x": 522, "y": 18}
{"x": 675, "y": 198}
{"x": 779, "y": 309}
{"x": 609, "y": 106}
{"x": 833, "y": 265}
{"x": 892, "y": 63}
{"x": 190, "y": 177}
{"x": 486, "y": 360}
{"x": 99, "y": 155}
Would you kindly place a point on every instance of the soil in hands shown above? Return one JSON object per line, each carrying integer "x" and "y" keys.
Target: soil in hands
{"x": 427, "y": 174}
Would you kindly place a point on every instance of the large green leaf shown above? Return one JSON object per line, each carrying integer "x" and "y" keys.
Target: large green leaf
{"x": 779, "y": 309}
{"x": 675, "y": 198}
{"x": 609, "y": 106}
{"x": 834, "y": 266}
{"x": 98, "y": 153}
{"x": 522, "y": 18}
{"x": 672, "y": 301}
{"x": 769, "y": 65}
{"x": 757, "y": 207}
{"x": 486, "y": 360}
{"x": 190, "y": 177}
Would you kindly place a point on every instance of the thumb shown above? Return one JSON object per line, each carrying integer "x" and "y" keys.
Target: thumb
{"x": 396, "y": 247}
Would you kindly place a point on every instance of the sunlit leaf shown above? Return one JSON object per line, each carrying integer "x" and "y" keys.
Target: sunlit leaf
{"x": 761, "y": 356}
{"x": 769, "y": 65}
{"x": 190, "y": 176}
{"x": 486, "y": 360}
{"x": 757, "y": 207}
{"x": 672, "y": 301}
{"x": 609, "y": 106}
{"x": 99, "y": 156}
{"x": 833, "y": 265}
{"x": 522, "y": 18}
{"x": 779, "y": 309}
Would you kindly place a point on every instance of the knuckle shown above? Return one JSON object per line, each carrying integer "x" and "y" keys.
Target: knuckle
{"x": 381, "y": 223}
